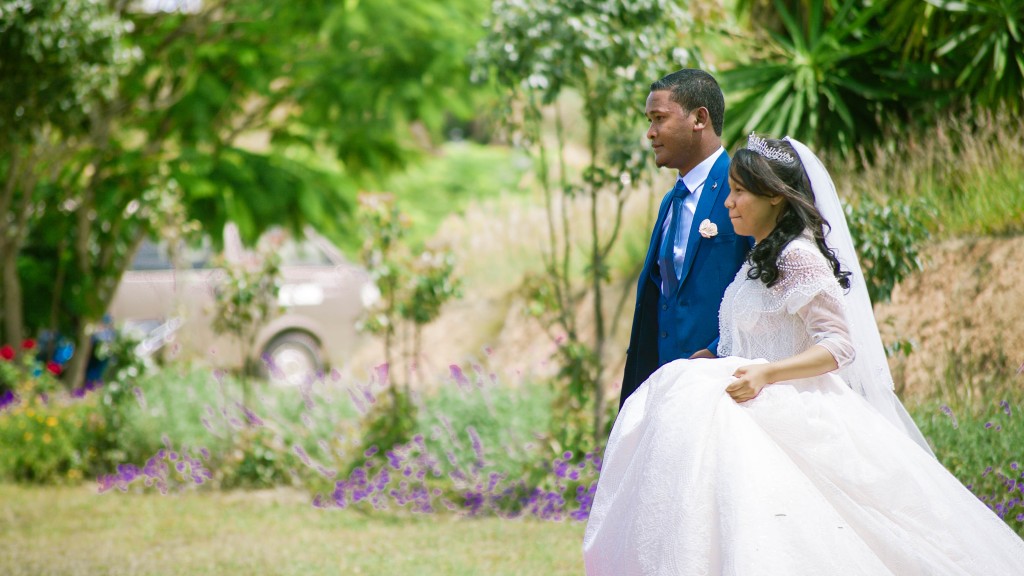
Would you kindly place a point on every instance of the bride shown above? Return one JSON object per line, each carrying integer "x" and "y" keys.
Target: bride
{"x": 790, "y": 455}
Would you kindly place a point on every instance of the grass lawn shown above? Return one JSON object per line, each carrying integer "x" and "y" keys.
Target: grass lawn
{"x": 73, "y": 530}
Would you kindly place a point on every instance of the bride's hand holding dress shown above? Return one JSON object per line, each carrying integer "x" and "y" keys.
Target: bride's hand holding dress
{"x": 752, "y": 378}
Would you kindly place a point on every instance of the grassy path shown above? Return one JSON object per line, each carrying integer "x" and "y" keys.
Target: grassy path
{"x": 73, "y": 531}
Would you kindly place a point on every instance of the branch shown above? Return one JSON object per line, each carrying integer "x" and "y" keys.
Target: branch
{"x": 620, "y": 203}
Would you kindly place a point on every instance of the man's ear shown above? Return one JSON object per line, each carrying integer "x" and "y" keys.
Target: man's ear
{"x": 701, "y": 118}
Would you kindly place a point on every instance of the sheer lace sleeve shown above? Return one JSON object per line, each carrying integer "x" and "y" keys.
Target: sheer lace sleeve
{"x": 808, "y": 289}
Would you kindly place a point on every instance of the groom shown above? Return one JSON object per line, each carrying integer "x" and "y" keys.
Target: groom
{"x": 694, "y": 252}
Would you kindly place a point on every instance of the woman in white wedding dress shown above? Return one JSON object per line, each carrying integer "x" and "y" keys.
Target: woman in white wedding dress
{"x": 790, "y": 455}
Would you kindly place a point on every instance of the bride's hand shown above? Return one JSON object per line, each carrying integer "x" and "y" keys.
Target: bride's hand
{"x": 750, "y": 380}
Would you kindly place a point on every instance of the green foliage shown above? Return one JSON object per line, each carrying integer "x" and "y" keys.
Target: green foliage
{"x": 246, "y": 299}
{"x": 888, "y": 239}
{"x": 258, "y": 458}
{"x": 505, "y": 419}
{"x": 60, "y": 58}
{"x": 983, "y": 48}
{"x": 413, "y": 285}
{"x": 413, "y": 288}
{"x": 836, "y": 72}
{"x": 118, "y": 398}
{"x": 980, "y": 444}
{"x": 381, "y": 68}
{"x": 47, "y": 441}
{"x": 390, "y": 422}
{"x": 821, "y": 77}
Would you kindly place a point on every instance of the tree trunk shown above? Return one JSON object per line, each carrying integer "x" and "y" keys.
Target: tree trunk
{"x": 14, "y": 327}
{"x": 74, "y": 371}
{"x": 597, "y": 263}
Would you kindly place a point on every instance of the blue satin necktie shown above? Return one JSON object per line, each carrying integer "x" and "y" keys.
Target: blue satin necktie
{"x": 666, "y": 255}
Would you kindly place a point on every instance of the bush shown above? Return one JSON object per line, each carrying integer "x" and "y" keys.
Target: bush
{"x": 888, "y": 239}
{"x": 48, "y": 440}
{"x": 982, "y": 447}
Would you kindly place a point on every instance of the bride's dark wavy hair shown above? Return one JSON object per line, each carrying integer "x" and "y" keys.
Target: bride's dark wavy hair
{"x": 781, "y": 177}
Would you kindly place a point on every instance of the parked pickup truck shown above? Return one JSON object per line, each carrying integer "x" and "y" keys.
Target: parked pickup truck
{"x": 321, "y": 298}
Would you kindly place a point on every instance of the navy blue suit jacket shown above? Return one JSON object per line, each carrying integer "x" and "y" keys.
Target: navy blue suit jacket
{"x": 709, "y": 267}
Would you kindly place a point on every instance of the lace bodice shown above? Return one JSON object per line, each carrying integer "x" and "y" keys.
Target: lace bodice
{"x": 805, "y": 307}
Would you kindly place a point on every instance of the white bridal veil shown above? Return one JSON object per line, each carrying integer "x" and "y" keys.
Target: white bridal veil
{"x": 869, "y": 373}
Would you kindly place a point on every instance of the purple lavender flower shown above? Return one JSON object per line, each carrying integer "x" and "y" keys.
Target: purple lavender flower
{"x": 139, "y": 397}
{"x": 949, "y": 412}
{"x": 458, "y": 376}
{"x": 8, "y": 399}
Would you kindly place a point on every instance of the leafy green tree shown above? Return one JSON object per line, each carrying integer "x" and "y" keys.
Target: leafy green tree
{"x": 60, "y": 61}
{"x": 607, "y": 52}
{"x": 221, "y": 114}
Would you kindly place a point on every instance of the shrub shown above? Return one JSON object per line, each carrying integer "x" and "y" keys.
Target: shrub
{"x": 982, "y": 447}
{"x": 48, "y": 439}
{"x": 888, "y": 238}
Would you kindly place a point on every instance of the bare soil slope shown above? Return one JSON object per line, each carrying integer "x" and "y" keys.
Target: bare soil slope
{"x": 966, "y": 306}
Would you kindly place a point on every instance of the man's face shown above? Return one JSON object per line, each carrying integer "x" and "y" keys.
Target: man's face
{"x": 671, "y": 131}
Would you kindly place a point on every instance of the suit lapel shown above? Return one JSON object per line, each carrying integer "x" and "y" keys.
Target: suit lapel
{"x": 708, "y": 199}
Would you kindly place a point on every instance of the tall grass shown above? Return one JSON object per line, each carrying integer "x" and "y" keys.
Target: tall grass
{"x": 967, "y": 166}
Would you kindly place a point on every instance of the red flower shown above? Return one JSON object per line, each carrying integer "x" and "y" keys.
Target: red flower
{"x": 28, "y": 344}
{"x": 7, "y": 353}
{"x": 53, "y": 367}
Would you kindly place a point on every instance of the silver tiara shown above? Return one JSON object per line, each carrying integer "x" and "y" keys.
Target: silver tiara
{"x": 760, "y": 145}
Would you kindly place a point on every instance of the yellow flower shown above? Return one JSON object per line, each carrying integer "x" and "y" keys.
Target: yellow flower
{"x": 75, "y": 474}
{"x": 28, "y": 436}
{"x": 51, "y": 421}
{"x": 46, "y": 438}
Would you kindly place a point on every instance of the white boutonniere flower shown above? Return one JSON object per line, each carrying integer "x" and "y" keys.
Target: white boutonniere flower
{"x": 708, "y": 229}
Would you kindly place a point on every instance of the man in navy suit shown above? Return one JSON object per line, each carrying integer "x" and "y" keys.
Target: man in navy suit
{"x": 694, "y": 252}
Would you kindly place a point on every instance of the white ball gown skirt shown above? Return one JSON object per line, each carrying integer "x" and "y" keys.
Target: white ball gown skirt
{"x": 806, "y": 479}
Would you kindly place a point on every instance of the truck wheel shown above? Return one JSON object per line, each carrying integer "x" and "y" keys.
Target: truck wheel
{"x": 291, "y": 359}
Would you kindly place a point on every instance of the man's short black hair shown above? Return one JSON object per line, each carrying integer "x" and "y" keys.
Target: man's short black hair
{"x": 692, "y": 88}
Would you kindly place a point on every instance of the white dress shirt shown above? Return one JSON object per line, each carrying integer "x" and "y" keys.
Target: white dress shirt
{"x": 694, "y": 182}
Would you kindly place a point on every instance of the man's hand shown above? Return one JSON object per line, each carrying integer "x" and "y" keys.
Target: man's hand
{"x": 750, "y": 380}
{"x": 705, "y": 353}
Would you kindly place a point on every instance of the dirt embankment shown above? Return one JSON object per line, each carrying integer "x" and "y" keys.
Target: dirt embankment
{"x": 964, "y": 314}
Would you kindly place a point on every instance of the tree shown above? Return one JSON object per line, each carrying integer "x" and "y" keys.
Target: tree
{"x": 607, "y": 52}
{"x": 60, "y": 62}
{"x": 219, "y": 114}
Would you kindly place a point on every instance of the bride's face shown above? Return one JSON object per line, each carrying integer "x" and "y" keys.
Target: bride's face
{"x": 751, "y": 214}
